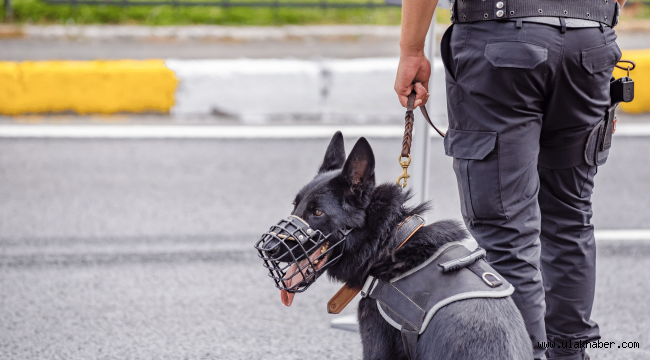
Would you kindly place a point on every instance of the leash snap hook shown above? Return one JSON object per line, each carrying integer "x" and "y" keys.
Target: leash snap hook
{"x": 404, "y": 175}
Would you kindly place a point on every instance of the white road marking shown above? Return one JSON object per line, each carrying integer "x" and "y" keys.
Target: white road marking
{"x": 92, "y": 248}
{"x": 616, "y": 235}
{"x": 199, "y": 131}
{"x": 228, "y": 247}
{"x": 600, "y": 235}
{"x": 232, "y": 132}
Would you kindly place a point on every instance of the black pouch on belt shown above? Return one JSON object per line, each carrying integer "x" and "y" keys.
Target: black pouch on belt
{"x": 600, "y": 138}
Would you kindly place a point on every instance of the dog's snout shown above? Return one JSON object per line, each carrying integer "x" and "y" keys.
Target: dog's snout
{"x": 272, "y": 247}
{"x": 275, "y": 249}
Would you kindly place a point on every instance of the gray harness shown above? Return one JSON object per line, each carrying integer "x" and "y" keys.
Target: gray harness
{"x": 409, "y": 301}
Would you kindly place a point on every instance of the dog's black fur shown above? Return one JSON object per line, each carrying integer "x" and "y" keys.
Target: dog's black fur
{"x": 345, "y": 192}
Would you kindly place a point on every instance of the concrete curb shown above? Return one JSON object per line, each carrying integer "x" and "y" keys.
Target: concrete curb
{"x": 247, "y": 90}
{"x": 327, "y": 90}
{"x": 237, "y": 33}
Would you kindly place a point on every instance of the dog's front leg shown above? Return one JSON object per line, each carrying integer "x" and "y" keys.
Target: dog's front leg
{"x": 380, "y": 340}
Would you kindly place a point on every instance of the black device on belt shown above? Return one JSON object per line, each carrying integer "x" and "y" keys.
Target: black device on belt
{"x": 600, "y": 138}
{"x": 602, "y": 11}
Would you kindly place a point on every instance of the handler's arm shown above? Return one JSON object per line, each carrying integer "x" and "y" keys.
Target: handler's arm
{"x": 413, "y": 65}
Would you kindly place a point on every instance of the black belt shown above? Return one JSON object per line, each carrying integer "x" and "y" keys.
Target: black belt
{"x": 556, "y": 21}
{"x": 602, "y": 11}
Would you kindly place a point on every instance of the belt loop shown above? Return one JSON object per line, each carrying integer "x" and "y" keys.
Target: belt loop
{"x": 519, "y": 23}
{"x": 563, "y": 24}
{"x": 602, "y": 28}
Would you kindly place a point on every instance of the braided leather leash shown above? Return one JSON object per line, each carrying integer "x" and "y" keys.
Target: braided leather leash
{"x": 408, "y": 136}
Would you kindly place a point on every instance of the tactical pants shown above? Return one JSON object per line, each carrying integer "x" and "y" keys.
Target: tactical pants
{"x": 522, "y": 99}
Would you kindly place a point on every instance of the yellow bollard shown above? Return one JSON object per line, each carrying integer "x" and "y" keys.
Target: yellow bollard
{"x": 86, "y": 87}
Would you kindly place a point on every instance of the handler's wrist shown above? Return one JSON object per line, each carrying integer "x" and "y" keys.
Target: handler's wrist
{"x": 411, "y": 50}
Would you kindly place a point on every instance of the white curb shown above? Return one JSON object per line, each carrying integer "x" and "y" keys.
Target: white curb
{"x": 255, "y": 90}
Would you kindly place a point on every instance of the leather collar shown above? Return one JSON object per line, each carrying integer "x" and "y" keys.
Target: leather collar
{"x": 405, "y": 230}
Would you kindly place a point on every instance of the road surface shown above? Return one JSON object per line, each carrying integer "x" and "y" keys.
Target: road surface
{"x": 142, "y": 248}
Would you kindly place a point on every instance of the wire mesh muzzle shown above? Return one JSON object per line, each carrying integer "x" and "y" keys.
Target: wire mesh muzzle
{"x": 292, "y": 242}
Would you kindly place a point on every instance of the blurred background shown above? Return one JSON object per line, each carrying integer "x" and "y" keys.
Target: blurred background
{"x": 146, "y": 144}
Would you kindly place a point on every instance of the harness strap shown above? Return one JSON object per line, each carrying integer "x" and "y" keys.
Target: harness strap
{"x": 414, "y": 308}
{"x": 405, "y": 230}
{"x": 410, "y": 341}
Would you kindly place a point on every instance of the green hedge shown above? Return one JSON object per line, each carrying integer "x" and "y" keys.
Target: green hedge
{"x": 35, "y": 11}
{"x": 38, "y": 12}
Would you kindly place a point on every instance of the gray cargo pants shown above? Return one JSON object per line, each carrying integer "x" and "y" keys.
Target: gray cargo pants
{"x": 522, "y": 98}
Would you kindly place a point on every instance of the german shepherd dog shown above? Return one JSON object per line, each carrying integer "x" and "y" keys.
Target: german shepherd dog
{"x": 343, "y": 195}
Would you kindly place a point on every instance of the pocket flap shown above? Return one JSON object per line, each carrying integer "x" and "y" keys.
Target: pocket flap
{"x": 601, "y": 58}
{"x": 472, "y": 145}
{"x": 515, "y": 54}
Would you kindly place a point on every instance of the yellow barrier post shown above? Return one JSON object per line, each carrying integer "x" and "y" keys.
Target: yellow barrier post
{"x": 86, "y": 87}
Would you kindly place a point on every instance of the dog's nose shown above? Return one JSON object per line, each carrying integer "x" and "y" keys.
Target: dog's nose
{"x": 271, "y": 247}
{"x": 280, "y": 250}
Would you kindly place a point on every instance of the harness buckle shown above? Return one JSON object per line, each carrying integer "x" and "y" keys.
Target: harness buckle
{"x": 494, "y": 283}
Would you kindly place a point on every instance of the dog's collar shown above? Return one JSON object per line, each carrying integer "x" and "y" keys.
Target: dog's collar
{"x": 405, "y": 230}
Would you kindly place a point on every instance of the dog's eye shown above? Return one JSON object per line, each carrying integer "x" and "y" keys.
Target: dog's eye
{"x": 318, "y": 212}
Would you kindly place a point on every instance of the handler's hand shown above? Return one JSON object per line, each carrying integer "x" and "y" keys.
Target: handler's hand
{"x": 413, "y": 68}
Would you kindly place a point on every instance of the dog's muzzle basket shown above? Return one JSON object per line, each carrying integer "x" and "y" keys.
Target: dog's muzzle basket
{"x": 291, "y": 249}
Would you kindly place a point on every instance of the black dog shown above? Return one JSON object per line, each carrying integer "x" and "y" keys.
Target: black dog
{"x": 343, "y": 195}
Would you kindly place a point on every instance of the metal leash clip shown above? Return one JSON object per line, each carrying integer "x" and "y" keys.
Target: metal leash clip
{"x": 404, "y": 175}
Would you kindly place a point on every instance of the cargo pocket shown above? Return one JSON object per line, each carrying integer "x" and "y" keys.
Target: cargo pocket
{"x": 601, "y": 58}
{"x": 515, "y": 54}
{"x": 476, "y": 164}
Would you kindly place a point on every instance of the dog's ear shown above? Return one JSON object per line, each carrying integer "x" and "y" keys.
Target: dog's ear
{"x": 335, "y": 154}
{"x": 359, "y": 169}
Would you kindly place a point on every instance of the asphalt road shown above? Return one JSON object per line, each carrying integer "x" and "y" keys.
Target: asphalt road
{"x": 57, "y": 49}
{"x": 142, "y": 249}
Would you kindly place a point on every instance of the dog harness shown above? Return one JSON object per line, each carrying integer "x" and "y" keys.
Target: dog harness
{"x": 409, "y": 301}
